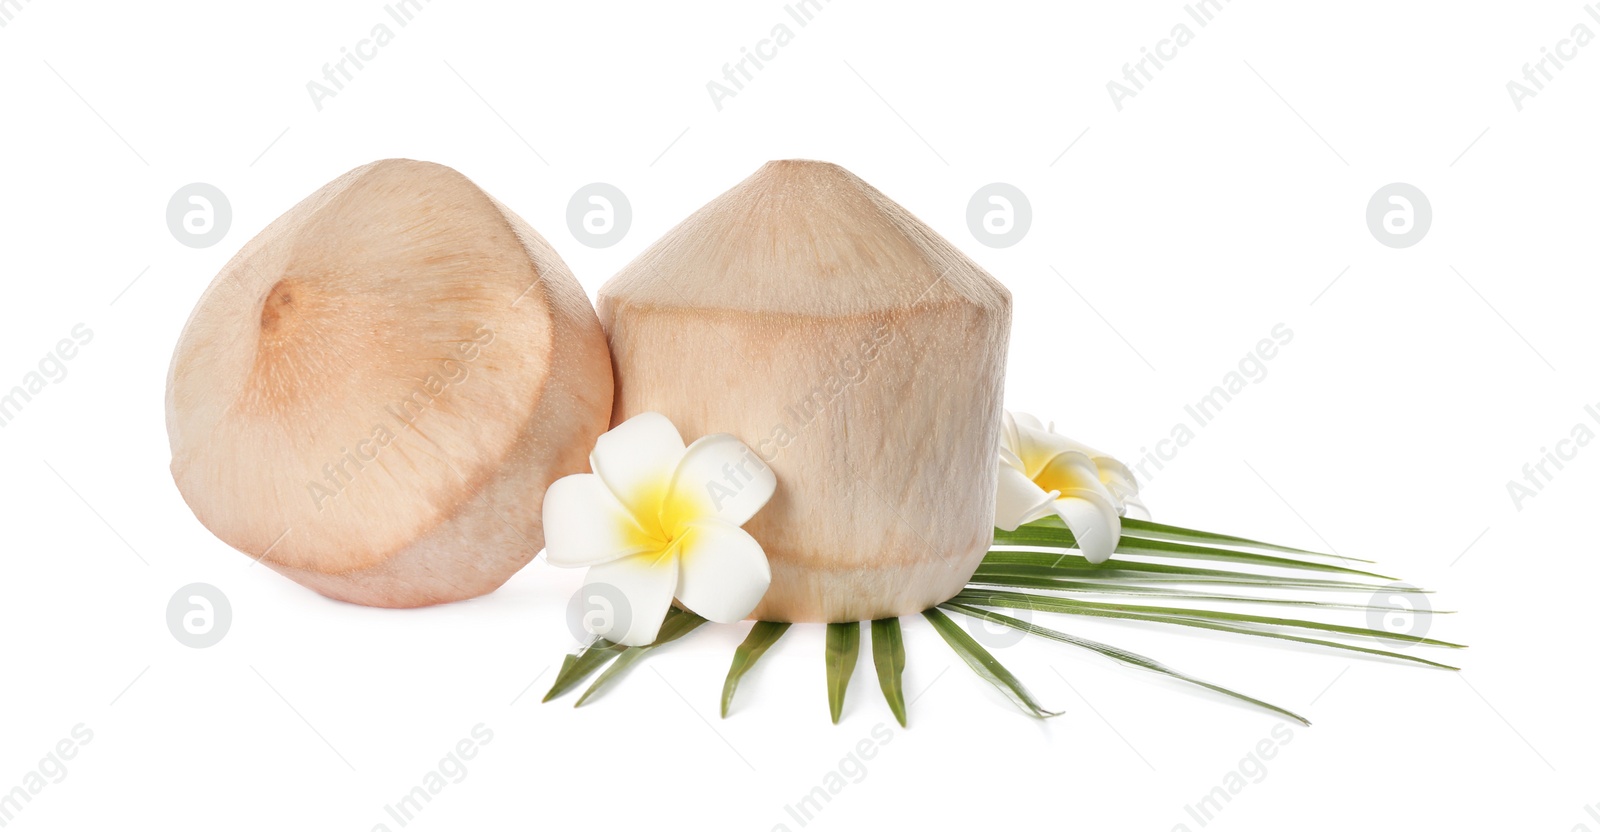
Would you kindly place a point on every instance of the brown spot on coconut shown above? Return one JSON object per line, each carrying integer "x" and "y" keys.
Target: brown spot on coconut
{"x": 855, "y": 350}
{"x": 374, "y": 393}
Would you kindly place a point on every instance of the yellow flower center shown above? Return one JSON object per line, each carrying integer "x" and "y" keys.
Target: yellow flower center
{"x": 1050, "y": 480}
{"x": 663, "y": 529}
{"x": 1061, "y": 477}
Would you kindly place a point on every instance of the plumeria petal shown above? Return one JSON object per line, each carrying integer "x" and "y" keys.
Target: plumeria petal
{"x": 1035, "y": 447}
{"x": 636, "y": 459}
{"x": 723, "y": 478}
{"x": 645, "y": 584}
{"x": 1029, "y": 421}
{"x": 1010, "y": 441}
{"x": 722, "y": 572}
{"x": 1090, "y": 490}
{"x": 651, "y": 508}
{"x": 585, "y": 524}
{"x": 1085, "y": 504}
{"x": 1094, "y": 523}
{"x": 1019, "y": 500}
{"x": 1117, "y": 478}
{"x": 1069, "y": 471}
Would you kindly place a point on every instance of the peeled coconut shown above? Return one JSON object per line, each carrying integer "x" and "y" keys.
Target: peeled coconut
{"x": 855, "y": 350}
{"x": 373, "y": 395}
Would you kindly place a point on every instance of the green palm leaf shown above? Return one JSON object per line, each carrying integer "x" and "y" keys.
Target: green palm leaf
{"x": 889, "y": 656}
{"x": 1162, "y": 531}
{"x": 577, "y": 666}
{"x": 1041, "y": 557}
{"x": 985, "y": 664}
{"x": 1119, "y": 654}
{"x": 1110, "y": 588}
{"x": 1048, "y": 536}
{"x": 1003, "y": 561}
{"x": 762, "y": 636}
{"x": 844, "y": 647}
{"x": 1250, "y": 631}
{"x": 678, "y": 624}
{"x": 1022, "y": 601}
{"x": 1054, "y": 604}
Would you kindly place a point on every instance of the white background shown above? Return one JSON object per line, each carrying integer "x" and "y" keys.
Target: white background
{"x": 1223, "y": 199}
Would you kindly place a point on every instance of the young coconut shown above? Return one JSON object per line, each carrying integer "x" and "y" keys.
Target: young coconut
{"x": 373, "y": 395}
{"x": 857, "y": 352}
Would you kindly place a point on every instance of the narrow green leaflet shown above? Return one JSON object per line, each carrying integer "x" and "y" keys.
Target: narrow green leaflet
{"x": 1150, "y": 530}
{"x": 984, "y": 664}
{"x": 1251, "y": 631}
{"x": 1273, "y": 583}
{"x": 1023, "y": 601}
{"x": 1130, "y": 545}
{"x": 1162, "y": 531}
{"x": 1118, "y": 654}
{"x": 678, "y": 624}
{"x": 1132, "y": 584}
{"x": 1002, "y": 562}
{"x": 889, "y": 656}
{"x": 1054, "y": 604}
{"x": 844, "y": 646}
{"x": 1173, "y": 549}
{"x": 577, "y": 666}
{"x": 762, "y": 636}
{"x": 1110, "y": 588}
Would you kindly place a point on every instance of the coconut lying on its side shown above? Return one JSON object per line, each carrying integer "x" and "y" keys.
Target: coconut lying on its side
{"x": 373, "y": 395}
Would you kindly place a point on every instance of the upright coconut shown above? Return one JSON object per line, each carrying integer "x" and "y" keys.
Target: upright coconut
{"x": 373, "y": 395}
{"x": 855, "y": 350}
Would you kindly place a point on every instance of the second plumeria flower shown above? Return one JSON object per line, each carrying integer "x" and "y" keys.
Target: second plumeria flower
{"x": 1044, "y": 473}
{"x": 659, "y": 520}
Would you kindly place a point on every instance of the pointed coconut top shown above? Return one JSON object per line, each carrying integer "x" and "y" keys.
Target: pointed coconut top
{"x": 803, "y": 238}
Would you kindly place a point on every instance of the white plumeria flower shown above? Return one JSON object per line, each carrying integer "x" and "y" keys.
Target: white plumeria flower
{"x": 657, "y": 521}
{"x": 1044, "y": 473}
